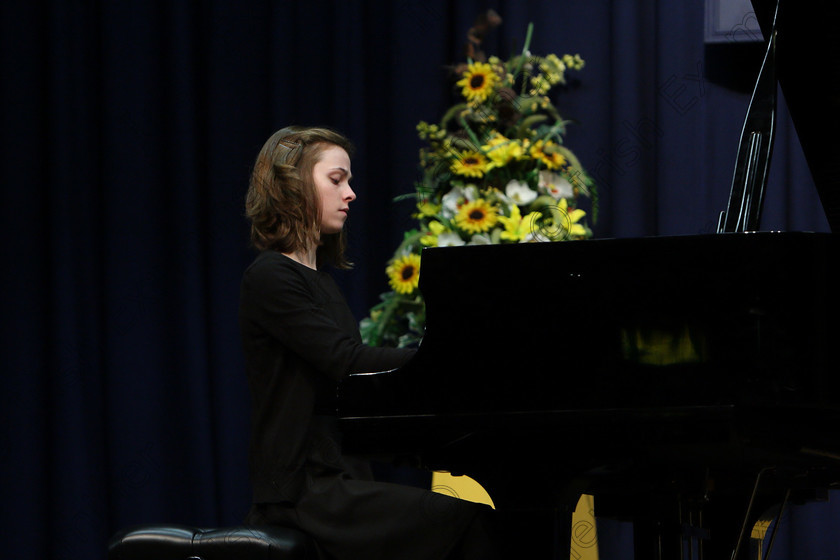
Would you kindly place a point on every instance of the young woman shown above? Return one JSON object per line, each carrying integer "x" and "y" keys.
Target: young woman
{"x": 300, "y": 339}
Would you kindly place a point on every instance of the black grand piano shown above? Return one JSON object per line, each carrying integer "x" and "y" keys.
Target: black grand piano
{"x": 691, "y": 384}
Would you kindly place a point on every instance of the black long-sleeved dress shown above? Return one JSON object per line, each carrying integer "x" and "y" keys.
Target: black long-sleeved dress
{"x": 300, "y": 339}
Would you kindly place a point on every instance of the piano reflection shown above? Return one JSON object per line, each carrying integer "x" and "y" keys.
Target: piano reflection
{"x": 695, "y": 378}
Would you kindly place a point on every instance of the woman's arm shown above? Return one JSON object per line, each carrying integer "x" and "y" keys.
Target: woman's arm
{"x": 278, "y": 298}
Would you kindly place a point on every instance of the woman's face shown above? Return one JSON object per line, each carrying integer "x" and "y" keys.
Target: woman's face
{"x": 331, "y": 176}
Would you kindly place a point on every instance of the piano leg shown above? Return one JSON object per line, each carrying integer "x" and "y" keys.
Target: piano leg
{"x": 720, "y": 528}
{"x": 535, "y": 534}
{"x": 672, "y": 529}
{"x": 562, "y": 532}
{"x": 535, "y": 515}
{"x": 717, "y": 515}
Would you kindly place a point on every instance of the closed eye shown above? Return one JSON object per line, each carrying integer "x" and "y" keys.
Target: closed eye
{"x": 336, "y": 179}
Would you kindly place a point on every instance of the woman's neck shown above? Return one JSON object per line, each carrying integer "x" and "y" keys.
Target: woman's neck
{"x": 306, "y": 258}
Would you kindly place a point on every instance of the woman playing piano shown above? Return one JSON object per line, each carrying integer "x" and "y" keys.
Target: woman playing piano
{"x": 300, "y": 339}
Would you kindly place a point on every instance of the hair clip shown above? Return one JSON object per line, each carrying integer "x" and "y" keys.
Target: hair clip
{"x": 289, "y": 144}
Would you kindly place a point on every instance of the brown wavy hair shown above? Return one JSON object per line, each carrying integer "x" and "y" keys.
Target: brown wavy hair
{"x": 282, "y": 202}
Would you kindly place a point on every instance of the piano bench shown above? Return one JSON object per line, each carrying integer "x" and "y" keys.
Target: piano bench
{"x": 180, "y": 542}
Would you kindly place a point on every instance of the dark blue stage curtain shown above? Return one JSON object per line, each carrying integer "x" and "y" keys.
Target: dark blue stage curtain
{"x": 128, "y": 131}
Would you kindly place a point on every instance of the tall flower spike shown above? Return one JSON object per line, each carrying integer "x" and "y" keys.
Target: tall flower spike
{"x": 494, "y": 170}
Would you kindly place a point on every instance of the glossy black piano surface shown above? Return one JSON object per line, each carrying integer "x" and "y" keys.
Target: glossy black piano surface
{"x": 696, "y": 323}
{"x": 709, "y": 320}
{"x": 653, "y": 367}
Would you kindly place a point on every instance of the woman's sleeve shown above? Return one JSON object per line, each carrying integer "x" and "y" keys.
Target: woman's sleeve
{"x": 280, "y": 301}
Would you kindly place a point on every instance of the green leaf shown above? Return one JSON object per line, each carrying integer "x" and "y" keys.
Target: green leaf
{"x": 527, "y": 123}
{"x": 453, "y": 111}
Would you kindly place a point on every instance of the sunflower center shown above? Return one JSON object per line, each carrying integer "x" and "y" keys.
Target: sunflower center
{"x": 471, "y": 160}
{"x": 477, "y": 81}
{"x": 407, "y": 272}
{"x": 477, "y": 215}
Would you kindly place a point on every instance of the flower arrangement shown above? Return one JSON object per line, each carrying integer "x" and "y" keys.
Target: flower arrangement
{"x": 494, "y": 170}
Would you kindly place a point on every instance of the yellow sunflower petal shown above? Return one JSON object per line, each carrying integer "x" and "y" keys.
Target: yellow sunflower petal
{"x": 470, "y": 164}
{"x": 478, "y": 81}
{"x": 404, "y": 273}
{"x": 477, "y": 216}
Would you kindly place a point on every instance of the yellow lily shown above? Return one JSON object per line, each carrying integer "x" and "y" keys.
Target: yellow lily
{"x": 518, "y": 228}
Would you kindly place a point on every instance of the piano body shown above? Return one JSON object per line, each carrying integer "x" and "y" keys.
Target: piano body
{"x": 689, "y": 383}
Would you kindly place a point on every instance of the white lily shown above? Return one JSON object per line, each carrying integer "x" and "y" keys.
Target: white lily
{"x": 556, "y": 185}
{"x": 452, "y": 201}
{"x": 449, "y": 239}
{"x": 520, "y": 193}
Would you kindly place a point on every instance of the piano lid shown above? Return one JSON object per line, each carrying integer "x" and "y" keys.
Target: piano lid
{"x": 808, "y": 69}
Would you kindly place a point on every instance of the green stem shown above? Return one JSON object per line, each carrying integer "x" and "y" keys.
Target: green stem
{"x": 523, "y": 57}
{"x": 385, "y": 319}
{"x": 528, "y": 34}
{"x": 470, "y": 132}
{"x": 408, "y": 240}
{"x": 450, "y": 114}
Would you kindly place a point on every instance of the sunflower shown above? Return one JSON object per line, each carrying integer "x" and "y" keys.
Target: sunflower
{"x": 478, "y": 81}
{"x": 404, "y": 273}
{"x": 546, "y": 153}
{"x": 477, "y": 216}
{"x": 470, "y": 164}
